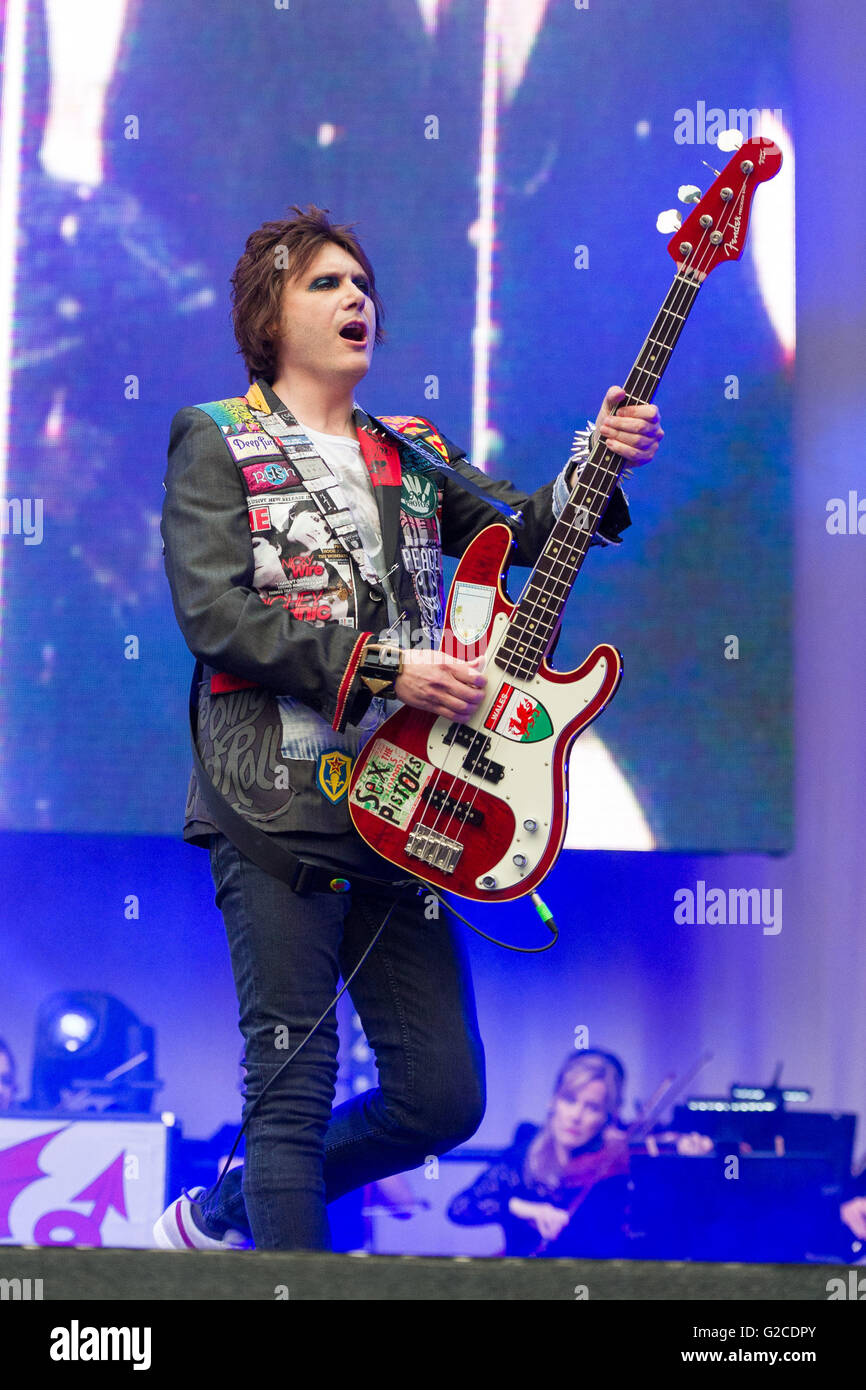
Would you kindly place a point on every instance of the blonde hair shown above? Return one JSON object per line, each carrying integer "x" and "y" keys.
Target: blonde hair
{"x": 578, "y": 1070}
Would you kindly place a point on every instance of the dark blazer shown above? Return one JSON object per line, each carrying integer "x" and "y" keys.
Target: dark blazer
{"x": 266, "y": 653}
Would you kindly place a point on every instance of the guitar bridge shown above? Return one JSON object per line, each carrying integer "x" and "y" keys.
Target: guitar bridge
{"x": 434, "y": 848}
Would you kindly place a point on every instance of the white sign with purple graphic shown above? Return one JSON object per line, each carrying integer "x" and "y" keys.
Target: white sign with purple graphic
{"x": 94, "y": 1182}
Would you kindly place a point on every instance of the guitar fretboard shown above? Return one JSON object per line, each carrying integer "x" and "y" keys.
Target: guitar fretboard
{"x": 535, "y": 620}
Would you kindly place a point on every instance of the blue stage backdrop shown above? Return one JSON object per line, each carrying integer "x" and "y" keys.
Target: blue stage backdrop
{"x": 506, "y": 182}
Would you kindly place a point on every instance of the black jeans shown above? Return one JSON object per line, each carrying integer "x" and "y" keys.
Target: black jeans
{"x": 415, "y": 1000}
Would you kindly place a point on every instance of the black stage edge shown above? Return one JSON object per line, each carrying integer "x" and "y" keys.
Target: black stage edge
{"x": 78, "y": 1274}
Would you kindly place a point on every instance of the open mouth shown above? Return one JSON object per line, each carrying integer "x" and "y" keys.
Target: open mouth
{"x": 354, "y": 332}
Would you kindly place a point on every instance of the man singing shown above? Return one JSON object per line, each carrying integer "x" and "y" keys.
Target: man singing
{"x": 298, "y": 668}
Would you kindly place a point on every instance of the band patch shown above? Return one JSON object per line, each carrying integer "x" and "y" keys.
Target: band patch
{"x": 418, "y": 496}
{"x": 391, "y": 783}
{"x": 518, "y": 716}
{"x": 232, "y": 415}
{"x": 332, "y": 774}
{"x": 266, "y": 477}
{"x": 252, "y": 445}
{"x": 415, "y": 427}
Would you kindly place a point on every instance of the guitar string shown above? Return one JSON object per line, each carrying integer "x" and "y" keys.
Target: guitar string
{"x": 601, "y": 465}
{"x": 679, "y": 294}
{"x": 687, "y": 288}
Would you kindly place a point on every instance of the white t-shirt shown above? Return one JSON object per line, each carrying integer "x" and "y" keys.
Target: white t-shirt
{"x": 343, "y": 456}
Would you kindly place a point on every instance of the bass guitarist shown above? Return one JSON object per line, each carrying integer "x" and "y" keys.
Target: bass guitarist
{"x": 285, "y": 700}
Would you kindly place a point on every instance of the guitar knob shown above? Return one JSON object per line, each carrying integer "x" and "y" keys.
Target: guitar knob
{"x": 519, "y": 860}
{"x": 530, "y": 825}
{"x": 488, "y": 881}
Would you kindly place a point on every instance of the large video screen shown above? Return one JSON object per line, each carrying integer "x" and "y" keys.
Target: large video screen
{"x": 505, "y": 167}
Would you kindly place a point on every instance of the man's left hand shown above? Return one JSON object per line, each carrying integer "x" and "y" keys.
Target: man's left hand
{"x": 634, "y": 431}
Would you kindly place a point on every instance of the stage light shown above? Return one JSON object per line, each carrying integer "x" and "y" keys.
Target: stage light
{"x": 73, "y": 1029}
{"x": 91, "y": 1054}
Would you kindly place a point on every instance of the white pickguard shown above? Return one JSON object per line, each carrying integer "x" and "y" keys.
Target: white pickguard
{"x": 528, "y": 784}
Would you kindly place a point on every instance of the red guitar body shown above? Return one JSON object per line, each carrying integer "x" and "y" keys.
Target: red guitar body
{"x": 490, "y": 830}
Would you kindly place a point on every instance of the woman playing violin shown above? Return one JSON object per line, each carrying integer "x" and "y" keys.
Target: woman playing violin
{"x": 561, "y": 1189}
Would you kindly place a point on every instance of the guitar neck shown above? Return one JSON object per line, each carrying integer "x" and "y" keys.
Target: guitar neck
{"x": 536, "y": 618}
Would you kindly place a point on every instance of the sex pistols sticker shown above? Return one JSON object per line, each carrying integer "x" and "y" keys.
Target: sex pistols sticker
{"x": 391, "y": 783}
{"x": 518, "y": 716}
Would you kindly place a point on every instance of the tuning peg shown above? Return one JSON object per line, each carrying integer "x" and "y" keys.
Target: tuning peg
{"x": 711, "y": 169}
{"x": 730, "y": 140}
{"x": 688, "y": 193}
{"x": 668, "y": 222}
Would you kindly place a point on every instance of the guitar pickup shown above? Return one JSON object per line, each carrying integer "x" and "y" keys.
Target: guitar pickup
{"x": 478, "y": 744}
{"x": 434, "y": 848}
{"x": 486, "y": 768}
{"x": 462, "y": 810}
{"x": 465, "y": 737}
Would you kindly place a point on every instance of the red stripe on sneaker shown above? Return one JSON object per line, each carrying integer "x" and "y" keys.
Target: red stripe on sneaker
{"x": 179, "y": 1219}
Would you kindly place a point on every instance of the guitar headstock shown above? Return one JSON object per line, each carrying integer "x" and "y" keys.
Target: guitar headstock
{"x": 715, "y": 230}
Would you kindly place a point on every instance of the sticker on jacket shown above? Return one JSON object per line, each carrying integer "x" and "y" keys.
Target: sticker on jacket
{"x": 418, "y": 494}
{"x": 332, "y": 774}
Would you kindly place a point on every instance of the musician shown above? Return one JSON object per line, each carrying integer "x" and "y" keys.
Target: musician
{"x": 578, "y": 1155}
{"x": 307, "y": 315}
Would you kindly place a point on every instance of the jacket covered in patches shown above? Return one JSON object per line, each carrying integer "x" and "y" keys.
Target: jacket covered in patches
{"x": 278, "y": 608}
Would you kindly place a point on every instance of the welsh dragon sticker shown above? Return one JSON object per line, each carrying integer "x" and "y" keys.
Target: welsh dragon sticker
{"x": 519, "y": 716}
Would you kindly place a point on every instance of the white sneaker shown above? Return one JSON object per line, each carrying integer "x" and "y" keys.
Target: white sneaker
{"x": 176, "y": 1229}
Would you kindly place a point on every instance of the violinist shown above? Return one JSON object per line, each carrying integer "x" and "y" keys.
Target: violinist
{"x": 562, "y": 1189}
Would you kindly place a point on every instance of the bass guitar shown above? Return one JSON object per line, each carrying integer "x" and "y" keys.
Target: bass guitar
{"x": 479, "y": 807}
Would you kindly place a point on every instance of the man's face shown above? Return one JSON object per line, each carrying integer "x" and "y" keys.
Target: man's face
{"x": 330, "y": 294}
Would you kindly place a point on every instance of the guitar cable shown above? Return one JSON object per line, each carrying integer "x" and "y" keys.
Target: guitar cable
{"x": 544, "y": 913}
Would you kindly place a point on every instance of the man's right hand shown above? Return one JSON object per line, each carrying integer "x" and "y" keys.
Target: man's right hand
{"x": 441, "y": 684}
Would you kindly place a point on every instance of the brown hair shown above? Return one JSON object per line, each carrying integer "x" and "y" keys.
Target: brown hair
{"x": 261, "y": 272}
{"x": 577, "y": 1071}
